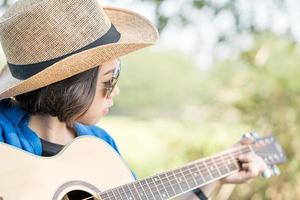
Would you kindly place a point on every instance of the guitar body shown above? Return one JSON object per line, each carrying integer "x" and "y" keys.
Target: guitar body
{"x": 87, "y": 164}
{"x": 89, "y": 168}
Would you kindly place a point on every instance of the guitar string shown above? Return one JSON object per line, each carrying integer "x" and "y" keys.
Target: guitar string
{"x": 182, "y": 172}
{"x": 147, "y": 191}
{"x": 235, "y": 151}
{"x": 207, "y": 172}
{"x": 136, "y": 192}
{"x": 167, "y": 191}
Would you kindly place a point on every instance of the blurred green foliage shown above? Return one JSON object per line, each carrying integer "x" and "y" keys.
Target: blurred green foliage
{"x": 169, "y": 112}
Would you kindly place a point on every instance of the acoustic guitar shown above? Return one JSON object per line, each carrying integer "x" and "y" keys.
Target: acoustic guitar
{"x": 88, "y": 168}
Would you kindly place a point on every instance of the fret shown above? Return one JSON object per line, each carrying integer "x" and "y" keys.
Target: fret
{"x": 212, "y": 168}
{"x": 110, "y": 195}
{"x": 160, "y": 186}
{"x": 226, "y": 162}
{"x": 209, "y": 172}
{"x": 104, "y": 196}
{"x": 154, "y": 188}
{"x": 204, "y": 171}
{"x": 189, "y": 177}
{"x": 181, "y": 180}
{"x": 133, "y": 191}
{"x": 240, "y": 152}
{"x": 167, "y": 185}
{"x": 185, "y": 178}
{"x": 196, "y": 174}
{"x": 232, "y": 164}
{"x": 147, "y": 189}
{"x": 223, "y": 169}
{"x": 115, "y": 193}
{"x": 249, "y": 149}
{"x": 140, "y": 190}
{"x": 236, "y": 153}
{"x": 217, "y": 165}
{"x": 173, "y": 180}
{"x": 124, "y": 191}
{"x": 246, "y": 149}
{"x": 199, "y": 166}
{"x": 118, "y": 193}
{"x": 234, "y": 159}
{"x": 129, "y": 192}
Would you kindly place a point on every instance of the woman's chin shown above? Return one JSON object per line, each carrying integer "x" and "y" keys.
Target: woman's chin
{"x": 90, "y": 121}
{"x": 105, "y": 111}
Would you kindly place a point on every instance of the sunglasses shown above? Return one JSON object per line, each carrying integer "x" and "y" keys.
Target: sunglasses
{"x": 111, "y": 84}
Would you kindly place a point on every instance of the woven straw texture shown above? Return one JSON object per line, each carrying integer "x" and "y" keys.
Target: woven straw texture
{"x": 29, "y": 35}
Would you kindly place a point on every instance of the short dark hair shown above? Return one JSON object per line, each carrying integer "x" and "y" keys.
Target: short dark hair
{"x": 67, "y": 99}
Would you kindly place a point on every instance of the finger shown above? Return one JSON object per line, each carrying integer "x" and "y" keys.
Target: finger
{"x": 245, "y": 141}
{"x": 262, "y": 165}
{"x": 250, "y": 168}
{"x": 259, "y": 162}
{"x": 249, "y": 157}
{"x": 253, "y": 170}
{"x": 245, "y": 166}
{"x": 253, "y": 159}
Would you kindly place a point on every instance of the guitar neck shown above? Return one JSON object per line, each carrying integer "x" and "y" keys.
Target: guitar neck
{"x": 172, "y": 183}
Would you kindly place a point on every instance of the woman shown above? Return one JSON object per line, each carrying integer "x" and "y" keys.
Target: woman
{"x": 61, "y": 74}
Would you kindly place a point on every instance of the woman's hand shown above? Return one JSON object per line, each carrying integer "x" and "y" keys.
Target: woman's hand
{"x": 251, "y": 166}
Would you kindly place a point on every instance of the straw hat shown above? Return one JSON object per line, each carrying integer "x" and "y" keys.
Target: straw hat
{"x": 46, "y": 41}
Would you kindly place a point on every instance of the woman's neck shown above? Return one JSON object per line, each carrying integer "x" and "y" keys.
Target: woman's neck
{"x": 51, "y": 129}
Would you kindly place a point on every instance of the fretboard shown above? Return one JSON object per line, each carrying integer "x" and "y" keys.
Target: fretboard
{"x": 172, "y": 183}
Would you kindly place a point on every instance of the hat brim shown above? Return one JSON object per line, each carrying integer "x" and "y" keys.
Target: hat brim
{"x": 136, "y": 32}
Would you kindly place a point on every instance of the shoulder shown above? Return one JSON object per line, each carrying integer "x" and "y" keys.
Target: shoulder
{"x": 11, "y": 112}
{"x": 101, "y": 133}
{"x": 13, "y": 121}
{"x": 10, "y": 116}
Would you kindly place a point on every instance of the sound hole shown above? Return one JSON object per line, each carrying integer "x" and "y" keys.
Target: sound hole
{"x": 77, "y": 195}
